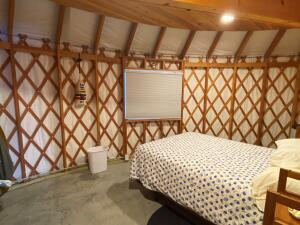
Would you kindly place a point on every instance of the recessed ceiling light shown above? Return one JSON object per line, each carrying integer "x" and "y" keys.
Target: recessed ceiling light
{"x": 227, "y": 18}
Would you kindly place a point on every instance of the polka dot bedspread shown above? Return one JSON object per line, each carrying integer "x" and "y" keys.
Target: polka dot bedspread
{"x": 211, "y": 176}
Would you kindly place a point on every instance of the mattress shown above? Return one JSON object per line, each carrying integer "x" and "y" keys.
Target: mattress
{"x": 211, "y": 176}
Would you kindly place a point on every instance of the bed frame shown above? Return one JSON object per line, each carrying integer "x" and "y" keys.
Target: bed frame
{"x": 277, "y": 203}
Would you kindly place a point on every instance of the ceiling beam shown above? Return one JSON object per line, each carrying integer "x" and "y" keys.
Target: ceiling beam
{"x": 214, "y": 44}
{"x": 187, "y": 44}
{"x": 130, "y": 38}
{"x": 10, "y": 21}
{"x": 275, "y": 42}
{"x": 158, "y": 41}
{"x": 100, "y": 25}
{"x": 198, "y": 15}
{"x": 60, "y": 21}
{"x": 243, "y": 44}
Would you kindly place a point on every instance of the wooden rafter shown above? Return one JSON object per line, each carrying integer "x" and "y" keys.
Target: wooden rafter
{"x": 130, "y": 38}
{"x": 275, "y": 42}
{"x": 60, "y": 22}
{"x": 187, "y": 44}
{"x": 101, "y": 20}
{"x": 198, "y": 15}
{"x": 159, "y": 41}
{"x": 214, "y": 44}
{"x": 243, "y": 45}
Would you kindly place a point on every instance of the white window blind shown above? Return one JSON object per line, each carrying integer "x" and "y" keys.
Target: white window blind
{"x": 152, "y": 94}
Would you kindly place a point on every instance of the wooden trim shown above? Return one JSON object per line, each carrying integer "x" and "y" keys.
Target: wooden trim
{"x": 205, "y": 101}
{"x": 124, "y": 122}
{"x": 158, "y": 41}
{"x": 59, "y": 28}
{"x": 232, "y": 101}
{"x": 187, "y": 44}
{"x": 243, "y": 45}
{"x": 130, "y": 38}
{"x": 151, "y": 120}
{"x": 262, "y": 105}
{"x": 15, "y": 86}
{"x": 240, "y": 65}
{"x": 295, "y": 101}
{"x": 180, "y": 127}
{"x": 100, "y": 25}
{"x": 214, "y": 44}
{"x": 275, "y": 42}
{"x": 60, "y": 22}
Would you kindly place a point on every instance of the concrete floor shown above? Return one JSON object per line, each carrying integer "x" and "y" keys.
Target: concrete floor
{"x": 79, "y": 198}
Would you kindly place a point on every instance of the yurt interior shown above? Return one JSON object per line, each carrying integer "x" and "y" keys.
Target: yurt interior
{"x": 149, "y": 112}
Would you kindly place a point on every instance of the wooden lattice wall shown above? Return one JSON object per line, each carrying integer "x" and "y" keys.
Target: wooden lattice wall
{"x": 221, "y": 99}
{"x": 248, "y": 102}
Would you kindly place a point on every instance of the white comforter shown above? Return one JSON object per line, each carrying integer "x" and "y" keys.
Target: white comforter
{"x": 211, "y": 176}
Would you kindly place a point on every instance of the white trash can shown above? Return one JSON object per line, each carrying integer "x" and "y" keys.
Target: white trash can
{"x": 97, "y": 157}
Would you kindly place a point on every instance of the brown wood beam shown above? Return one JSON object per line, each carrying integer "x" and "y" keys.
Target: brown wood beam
{"x": 60, "y": 22}
{"x": 187, "y": 44}
{"x": 274, "y": 43}
{"x": 158, "y": 41}
{"x": 11, "y": 11}
{"x": 100, "y": 25}
{"x": 130, "y": 38}
{"x": 59, "y": 28}
{"x": 214, "y": 44}
{"x": 243, "y": 44}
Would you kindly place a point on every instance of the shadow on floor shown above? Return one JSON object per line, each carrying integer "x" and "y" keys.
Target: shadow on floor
{"x": 169, "y": 214}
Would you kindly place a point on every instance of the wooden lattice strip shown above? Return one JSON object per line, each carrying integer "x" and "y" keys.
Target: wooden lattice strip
{"x": 247, "y": 105}
{"x": 218, "y": 99}
{"x": 279, "y": 101}
{"x": 170, "y": 128}
{"x": 193, "y": 99}
{"x": 111, "y": 105}
{"x": 7, "y": 111}
{"x": 135, "y": 135}
{"x": 37, "y": 110}
{"x": 81, "y": 134}
{"x": 152, "y": 131}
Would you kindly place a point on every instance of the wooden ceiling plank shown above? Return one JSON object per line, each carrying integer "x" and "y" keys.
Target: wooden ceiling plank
{"x": 243, "y": 44}
{"x": 187, "y": 44}
{"x": 60, "y": 21}
{"x": 158, "y": 41}
{"x": 214, "y": 44}
{"x": 275, "y": 42}
{"x": 101, "y": 20}
{"x": 130, "y": 38}
{"x": 198, "y": 15}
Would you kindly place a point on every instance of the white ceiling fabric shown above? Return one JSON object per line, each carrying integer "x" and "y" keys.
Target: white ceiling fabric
{"x": 38, "y": 19}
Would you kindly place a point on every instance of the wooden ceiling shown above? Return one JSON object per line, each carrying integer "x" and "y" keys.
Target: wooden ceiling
{"x": 198, "y": 14}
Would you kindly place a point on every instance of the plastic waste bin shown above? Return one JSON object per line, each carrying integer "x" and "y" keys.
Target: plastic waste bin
{"x": 97, "y": 158}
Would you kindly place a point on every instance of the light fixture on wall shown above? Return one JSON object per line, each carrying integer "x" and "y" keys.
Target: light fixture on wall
{"x": 227, "y": 18}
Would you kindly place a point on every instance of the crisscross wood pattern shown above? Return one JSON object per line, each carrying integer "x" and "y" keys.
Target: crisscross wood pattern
{"x": 37, "y": 86}
{"x": 80, "y": 123}
{"x": 218, "y": 92}
{"x": 193, "y": 99}
{"x": 279, "y": 104}
{"x": 247, "y": 104}
{"x": 7, "y": 111}
{"x": 110, "y": 89}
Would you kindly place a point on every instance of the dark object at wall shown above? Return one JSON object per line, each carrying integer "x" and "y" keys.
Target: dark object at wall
{"x": 6, "y": 164}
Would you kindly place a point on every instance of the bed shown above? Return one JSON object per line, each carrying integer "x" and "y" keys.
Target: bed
{"x": 211, "y": 176}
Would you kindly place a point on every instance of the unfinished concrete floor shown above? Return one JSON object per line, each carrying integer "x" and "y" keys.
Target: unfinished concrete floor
{"x": 78, "y": 198}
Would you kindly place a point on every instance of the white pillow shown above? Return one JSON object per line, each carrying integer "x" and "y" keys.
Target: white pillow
{"x": 288, "y": 144}
{"x": 268, "y": 180}
{"x": 287, "y": 155}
